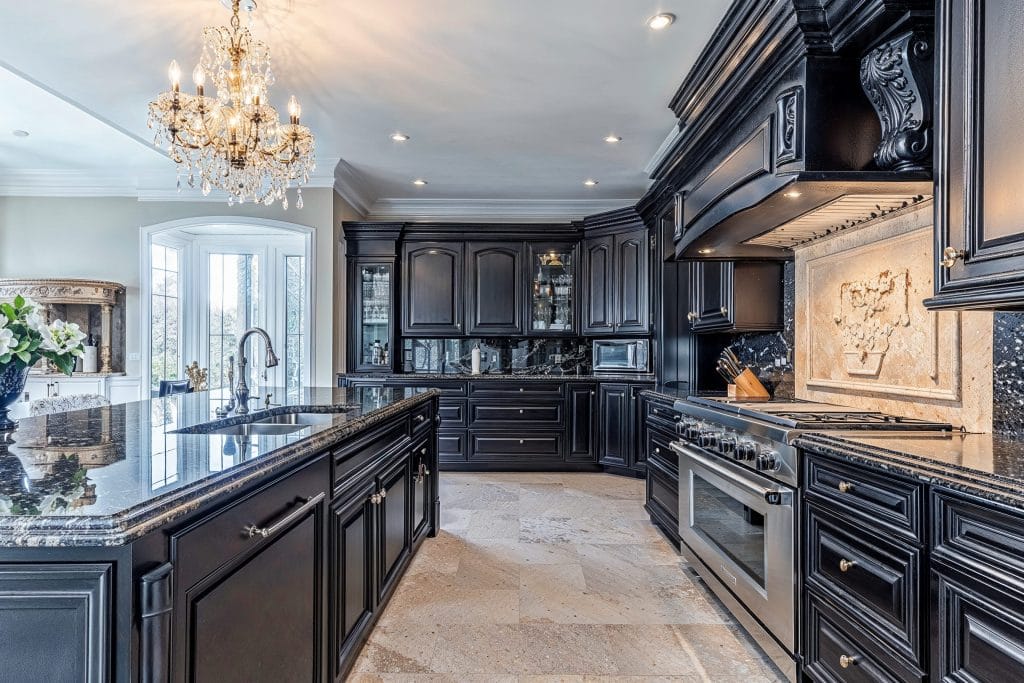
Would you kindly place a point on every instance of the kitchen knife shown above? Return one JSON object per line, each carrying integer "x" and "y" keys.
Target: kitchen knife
{"x": 732, "y": 356}
{"x": 724, "y": 372}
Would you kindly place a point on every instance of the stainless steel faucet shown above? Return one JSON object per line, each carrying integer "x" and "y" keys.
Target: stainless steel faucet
{"x": 242, "y": 389}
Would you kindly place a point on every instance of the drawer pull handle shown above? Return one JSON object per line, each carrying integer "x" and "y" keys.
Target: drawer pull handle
{"x": 252, "y": 531}
{"x": 950, "y": 255}
{"x": 846, "y": 661}
{"x": 421, "y": 418}
{"x": 522, "y": 441}
{"x": 845, "y": 565}
{"x": 383, "y": 494}
{"x": 845, "y": 487}
{"x": 521, "y": 390}
{"x": 520, "y": 411}
{"x": 657, "y": 450}
{"x": 723, "y": 310}
{"x": 423, "y": 451}
{"x": 375, "y": 499}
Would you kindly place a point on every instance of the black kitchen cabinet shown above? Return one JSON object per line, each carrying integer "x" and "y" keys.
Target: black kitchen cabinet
{"x": 599, "y": 315}
{"x": 616, "y": 296}
{"x": 582, "y": 413}
{"x": 424, "y": 484}
{"x": 618, "y": 408}
{"x": 432, "y": 279}
{"x": 495, "y": 285}
{"x": 352, "y": 542}
{"x": 371, "y": 300}
{"x": 728, "y": 296}
{"x": 657, "y": 431}
{"x": 394, "y": 522}
{"x": 979, "y": 213}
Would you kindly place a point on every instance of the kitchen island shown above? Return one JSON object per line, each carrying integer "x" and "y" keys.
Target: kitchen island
{"x": 153, "y": 541}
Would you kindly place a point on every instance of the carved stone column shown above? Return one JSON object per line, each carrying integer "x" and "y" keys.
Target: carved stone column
{"x": 897, "y": 78}
{"x": 106, "y": 325}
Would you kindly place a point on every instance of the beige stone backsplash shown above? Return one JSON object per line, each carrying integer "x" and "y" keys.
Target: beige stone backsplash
{"x": 864, "y": 339}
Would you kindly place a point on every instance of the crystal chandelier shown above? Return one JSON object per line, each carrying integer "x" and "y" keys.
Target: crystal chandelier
{"x": 234, "y": 141}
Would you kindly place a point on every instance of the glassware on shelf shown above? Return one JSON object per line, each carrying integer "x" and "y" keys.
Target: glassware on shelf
{"x": 553, "y": 290}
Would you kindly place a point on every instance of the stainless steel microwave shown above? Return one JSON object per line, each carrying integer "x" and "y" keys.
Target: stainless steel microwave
{"x": 622, "y": 355}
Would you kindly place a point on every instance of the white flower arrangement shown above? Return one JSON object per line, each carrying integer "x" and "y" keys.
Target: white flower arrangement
{"x": 25, "y": 337}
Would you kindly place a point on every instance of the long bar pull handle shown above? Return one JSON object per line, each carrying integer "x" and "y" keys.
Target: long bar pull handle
{"x": 253, "y": 531}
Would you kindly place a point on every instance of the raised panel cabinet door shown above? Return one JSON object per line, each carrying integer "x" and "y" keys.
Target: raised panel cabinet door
{"x": 582, "y": 423}
{"x": 423, "y": 475}
{"x": 351, "y": 592}
{"x": 371, "y": 312}
{"x": 55, "y": 622}
{"x": 496, "y": 288}
{"x": 614, "y": 432}
{"x": 633, "y": 272}
{"x": 599, "y": 285}
{"x": 432, "y": 288}
{"x": 394, "y": 523}
{"x": 710, "y": 295}
{"x": 277, "y": 591}
{"x": 979, "y": 211}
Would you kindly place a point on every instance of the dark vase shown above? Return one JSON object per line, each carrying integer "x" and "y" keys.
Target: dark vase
{"x": 12, "y": 383}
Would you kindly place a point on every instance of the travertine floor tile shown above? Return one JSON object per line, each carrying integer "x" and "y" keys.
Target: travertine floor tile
{"x": 545, "y": 577}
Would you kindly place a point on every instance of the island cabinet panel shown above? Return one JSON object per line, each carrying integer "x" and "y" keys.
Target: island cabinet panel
{"x": 394, "y": 522}
{"x": 432, "y": 299}
{"x": 496, "y": 276}
{"x": 55, "y": 622}
{"x": 352, "y": 587}
{"x": 424, "y": 480}
{"x": 979, "y": 214}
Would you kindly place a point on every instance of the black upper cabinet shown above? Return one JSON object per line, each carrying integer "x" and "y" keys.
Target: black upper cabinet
{"x": 616, "y": 297}
{"x": 432, "y": 288}
{"x": 599, "y": 290}
{"x": 979, "y": 211}
{"x": 744, "y": 296}
{"x": 495, "y": 277}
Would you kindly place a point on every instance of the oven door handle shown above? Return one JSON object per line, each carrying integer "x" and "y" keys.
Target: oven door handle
{"x": 783, "y": 497}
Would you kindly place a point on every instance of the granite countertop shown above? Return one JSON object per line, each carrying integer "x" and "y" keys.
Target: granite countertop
{"x": 105, "y": 476}
{"x": 987, "y": 465}
{"x": 669, "y": 392}
{"x": 605, "y": 376}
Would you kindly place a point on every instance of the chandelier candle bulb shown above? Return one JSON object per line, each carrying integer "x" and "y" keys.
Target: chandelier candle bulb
{"x": 174, "y": 73}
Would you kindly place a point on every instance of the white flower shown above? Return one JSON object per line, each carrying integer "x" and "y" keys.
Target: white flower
{"x": 7, "y": 341}
{"x": 61, "y": 338}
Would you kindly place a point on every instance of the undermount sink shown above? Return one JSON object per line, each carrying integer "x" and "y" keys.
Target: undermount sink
{"x": 270, "y": 425}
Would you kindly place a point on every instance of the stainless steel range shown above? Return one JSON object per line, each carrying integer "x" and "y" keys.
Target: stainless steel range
{"x": 738, "y": 503}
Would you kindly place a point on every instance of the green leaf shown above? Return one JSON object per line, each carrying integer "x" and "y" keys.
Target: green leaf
{"x": 8, "y": 310}
{"x": 19, "y": 301}
{"x": 24, "y": 356}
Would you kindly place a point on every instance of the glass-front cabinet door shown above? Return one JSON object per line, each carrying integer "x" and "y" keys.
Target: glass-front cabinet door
{"x": 553, "y": 293}
{"x": 372, "y": 315}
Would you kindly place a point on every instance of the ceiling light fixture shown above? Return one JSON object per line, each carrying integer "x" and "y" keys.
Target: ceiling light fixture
{"x": 19, "y": 133}
{"x": 612, "y": 139}
{"x": 660, "y": 21}
{"x": 234, "y": 140}
{"x": 399, "y": 137}
{"x": 419, "y": 181}
{"x": 590, "y": 182}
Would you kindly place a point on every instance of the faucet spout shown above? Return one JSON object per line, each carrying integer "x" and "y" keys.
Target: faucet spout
{"x": 242, "y": 388}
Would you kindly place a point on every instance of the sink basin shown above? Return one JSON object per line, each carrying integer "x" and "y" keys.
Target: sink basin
{"x": 257, "y": 429}
{"x": 271, "y": 425}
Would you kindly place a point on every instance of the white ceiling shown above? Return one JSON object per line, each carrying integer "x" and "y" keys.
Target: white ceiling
{"x": 504, "y": 99}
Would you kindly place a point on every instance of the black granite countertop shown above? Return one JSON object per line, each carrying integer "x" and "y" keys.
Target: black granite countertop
{"x": 987, "y": 465}
{"x": 606, "y": 377}
{"x": 106, "y": 476}
{"x": 669, "y": 392}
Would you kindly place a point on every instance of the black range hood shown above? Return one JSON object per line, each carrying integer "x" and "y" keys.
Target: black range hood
{"x": 795, "y": 125}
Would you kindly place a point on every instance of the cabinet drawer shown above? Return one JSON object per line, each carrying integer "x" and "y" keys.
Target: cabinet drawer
{"x": 508, "y": 388}
{"x": 517, "y": 415}
{"x": 658, "y": 449}
{"x": 875, "y": 581}
{"x": 453, "y": 413}
{"x": 422, "y": 417}
{"x": 980, "y": 533}
{"x": 215, "y": 539}
{"x": 451, "y": 446}
{"x": 363, "y": 451}
{"x": 661, "y": 416}
{"x": 832, "y": 640}
{"x": 663, "y": 491}
{"x": 879, "y": 499}
{"x": 447, "y": 388}
{"x": 547, "y": 446}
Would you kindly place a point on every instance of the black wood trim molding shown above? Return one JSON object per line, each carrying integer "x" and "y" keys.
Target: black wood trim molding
{"x": 156, "y": 608}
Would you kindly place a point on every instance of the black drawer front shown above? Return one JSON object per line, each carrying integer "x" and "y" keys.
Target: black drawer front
{"x": 422, "y": 418}
{"x": 658, "y": 449}
{"x": 878, "y": 498}
{"x": 509, "y": 388}
{"x": 875, "y": 580}
{"x": 663, "y": 491}
{"x": 452, "y": 413}
{"x": 359, "y": 454}
{"x": 451, "y": 446}
{"x": 983, "y": 535}
{"x": 661, "y": 416}
{"x": 831, "y": 640}
{"x": 446, "y": 387}
{"x": 213, "y": 540}
{"x": 517, "y": 415}
{"x": 541, "y": 446}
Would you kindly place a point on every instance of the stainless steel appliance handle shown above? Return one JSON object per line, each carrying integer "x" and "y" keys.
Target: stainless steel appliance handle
{"x": 631, "y": 356}
{"x": 783, "y": 497}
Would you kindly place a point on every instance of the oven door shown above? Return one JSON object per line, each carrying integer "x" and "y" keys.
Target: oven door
{"x": 741, "y": 526}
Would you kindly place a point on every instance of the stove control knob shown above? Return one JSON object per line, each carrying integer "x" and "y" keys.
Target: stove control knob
{"x": 768, "y": 462}
{"x": 746, "y": 450}
{"x": 727, "y": 445}
{"x": 708, "y": 439}
{"x": 692, "y": 431}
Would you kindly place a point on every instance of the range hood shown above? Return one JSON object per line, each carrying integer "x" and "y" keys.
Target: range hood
{"x": 795, "y": 139}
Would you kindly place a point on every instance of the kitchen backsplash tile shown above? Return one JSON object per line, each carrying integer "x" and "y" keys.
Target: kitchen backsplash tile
{"x": 519, "y": 356}
{"x": 770, "y": 355}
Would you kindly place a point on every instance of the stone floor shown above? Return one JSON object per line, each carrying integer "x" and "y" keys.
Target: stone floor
{"x": 552, "y": 577}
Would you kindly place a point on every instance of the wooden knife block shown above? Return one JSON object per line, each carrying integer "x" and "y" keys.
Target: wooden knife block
{"x": 748, "y": 386}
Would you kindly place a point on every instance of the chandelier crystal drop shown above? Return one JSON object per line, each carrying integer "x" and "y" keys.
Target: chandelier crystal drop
{"x": 233, "y": 141}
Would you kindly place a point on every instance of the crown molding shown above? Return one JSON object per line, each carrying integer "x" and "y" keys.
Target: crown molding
{"x": 65, "y": 183}
{"x": 666, "y": 147}
{"x": 353, "y": 187}
{"x": 493, "y": 210}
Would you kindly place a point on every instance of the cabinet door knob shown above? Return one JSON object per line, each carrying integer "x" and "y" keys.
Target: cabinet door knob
{"x": 657, "y": 450}
{"x": 375, "y": 499}
{"x": 423, "y": 451}
{"x": 520, "y": 411}
{"x": 591, "y": 393}
{"x": 846, "y": 661}
{"x": 844, "y": 565}
{"x": 521, "y": 389}
{"x": 383, "y": 494}
{"x": 421, "y": 418}
{"x": 724, "y": 310}
{"x": 950, "y": 256}
{"x": 522, "y": 441}
{"x": 845, "y": 487}
{"x": 691, "y": 316}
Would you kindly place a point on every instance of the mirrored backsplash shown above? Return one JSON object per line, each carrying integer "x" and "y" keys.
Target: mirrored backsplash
{"x": 497, "y": 356}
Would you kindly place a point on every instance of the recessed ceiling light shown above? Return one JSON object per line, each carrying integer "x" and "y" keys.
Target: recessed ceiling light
{"x": 590, "y": 182}
{"x": 19, "y": 133}
{"x": 612, "y": 139}
{"x": 792, "y": 194}
{"x": 705, "y": 250}
{"x": 660, "y": 21}
{"x": 419, "y": 181}
{"x": 399, "y": 137}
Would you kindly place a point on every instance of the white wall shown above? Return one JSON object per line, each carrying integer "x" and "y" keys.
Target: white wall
{"x": 100, "y": 238}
